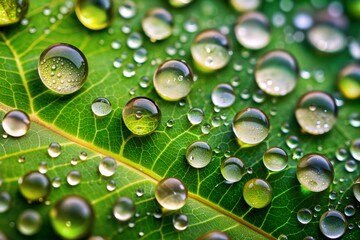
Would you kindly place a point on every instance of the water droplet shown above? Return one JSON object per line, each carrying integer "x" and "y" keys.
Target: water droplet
{"x": 101, "y": 107}
{"x": 258, "y": 96}
{"x": 179, "y": 3}
{"x": 173, "y": 80}
{"x": 144, "y": 82}
{"x": 180, "y": 222}
{"x": 356, "y": 189}
{"x": 304, "y": 215}
{"x": 5, "y": 202}
{"x": 341, "y": 154}
{"x": 253, "y": 189}
{"x": 315, "y": 172}
{"x": 316, "y": 112}
{"x": 350, "y": 165}
{"x": 13, "y": 11}
{"x": 157, "y": 24}
{"x": 232, "y": 169}
{"x": 170, "y": 123}
{"x": 134, "y": 40}
{"x": 127, "y": 9}
{"x": 150, "y": 116}
{"x": 140, "y": 55}
{"x": 205, "y": 128}
{"x": 245, "y": 94}
{"x": 56, "y": 182}
{"x": 223, "y": 95}
{"x": 303, "y": 20}
{"x": 333, "y": 195}
{"x": 16, "y": 123}
{"x": 73, "y": 161}
{"x": 139, "y": 192}
{"x": 252, "y": 30}
{"x": 210, "y": 50}
{"x": 276, "y": 73}
{"x": 72, "y": 217}
{"x": 292, "y": 142}
{"x": 191, "y": 25}
{"x": 349, "y": 210}
{"x": 332, "y": 224}
{"x": 95, "y": 14}
{"x": 199, "y": 154}
{"x": 354, "y": 119}
{"x": 73, "y": 178}
{"x": 349, "y": 81}
{"x": 275, "y": 159}
{"x": 111, "y": 185}
{"x": 355, "y": 149}
{"x": 83, "y": 156}
{"x": 195, "y": 115}
{"x": 124, "y": 209}
{"x": 107, "y": 166}
{"x": 171, "y": 193}
{"x": 245, "y": 5}
{"x": 251, "y": 126}
{"x": 54, "y": 149}
{"x": 117, "y": 63}
{"x": 34, "y": 186}
{"x": 214, "y": 235}
{"x": 70, "y": 62}
{"x": 29, "y": 222}
{"x": 46, "y": 11}
{"x": 21, "y": 159}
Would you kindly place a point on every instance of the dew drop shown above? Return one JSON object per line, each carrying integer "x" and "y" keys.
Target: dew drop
{"x": 223, "y": 95}
{"x": 349, "y": 81}
{"x": 315, "y": 172}
{"x": 356, "y": 189}
{"x": 107, "y": 166}
{"x": 124, "y": 209}
{"x": 139, "y": 192}
{"x": 171, "y": 193}
{"x": 245, "y": 5}
{"x": 101, "y": 107}
{"x": 5, "y": 202}
{"x": 73, "y": 178}
{"x": 332, "y": 224}
{"x": 173, "y": 80}
{"x": 95, "y": 14}
{"x": 180, "y": 222}
{"x": 134, "y": 40}
{"x": 232, "y": 169}
{"x": 12, "y": 12}
{"x": 127, "y": 9}
{"x": 16, "y": 123}
{"x": 195, "y": 115}
{"x": 275, "y": 159}
{"x": 157, "y": 24}
{"x": 304, "y": 216}
{"x": 199, "y": 154}
{"x": 253, "y": 189}
{"x": 214, "y": 235}
{"x": 111, "y": 185}
{"x": 34, "y": 186}
{"x": 29, "y": 222}
{"x": 355, "y": 149}
{"x": 54, "y": 149}
{"x": 56, "y": 182}
{"x": 349, "y": 210}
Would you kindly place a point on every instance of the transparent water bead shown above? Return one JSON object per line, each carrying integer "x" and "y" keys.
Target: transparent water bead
{"x": 252, "y": 30}
{"x": 63, "y": 68}
{"x": 141, "y": 116}
{"x": 73, "y": 178}
{"x": 127, "y": 9}
{"x": 72, "y": 217}
{"x": 304, "y": 215}
{"x": 54, "y": 149}
{"x": 180, "y": 3}
{"x": 245, "y": 5}
{"x": 356, "y": 189}
{"x": 349, "y": 81}
{"x": 124, "y": 209}
{"x": 316, "y": 112}
{"x": 210, "y": 50}
{"x": 199, "y": 154}
{"x": 223, "y": 95}
{"x": 232, "y": 169}
{"x": 95, "y": 14}
{"x": 12, "y": 11}
{"x": 349, "y": 210}
{"x": 251, "y": 126}
{"x": 315, "y": 172}
{"x": 214, "y": 235}
{"x": 180, "y": 222}
{"x": 171, "y": 193}
{"x": 195, "y": 115}
{"x": 355, "y": 149}
{"x": 34, "y": 186}
{"x": 101, "y": 107}
{"x": 107, "y": 166}
{"x": 173, "y": 80}
{"x": 253, "y": 189}
{"x": 275, "y": 159}
{"x": 29, "y": 222}
{"x": 333, "y": 224}
{"x": 157, "y": 24}
{"x": 5, "y": 201}
{"x": 277, "y": 72}
{"x": 16, "y": 123}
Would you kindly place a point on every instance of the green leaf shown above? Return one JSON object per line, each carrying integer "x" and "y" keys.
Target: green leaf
{"x": 143, "y": 161}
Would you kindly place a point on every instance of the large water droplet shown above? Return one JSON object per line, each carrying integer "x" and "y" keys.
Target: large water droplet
{"x": 253, "y": 189}
{"x": 316, "y": 112}
{"x": 12, "y": 11}
{"x": 101, "y": 107}
{"x": 315, "y": 172}
{"x": 173, "y": 80}
{"x": 332, "y": 224}
{"x": 34, "y": 186}
{"x": 63, "y": 68}
{"x": 16, "y": 123}
{"x": 251, "y": 126}
{"x": 150, "y": 113}
{"x": 252, "y": 30}
{"x": 171, "y": 193}
{"x": 223, "y": 95}
{"x": 232, "y": 169}
{"x": 72, "y": 217}
{"x": 195, "y": 115}
{"x": 275, "y": 159}
{"x": 199, "y": 154}
{"x": 210, "y": 50}
{"x": 95, "y": 14}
